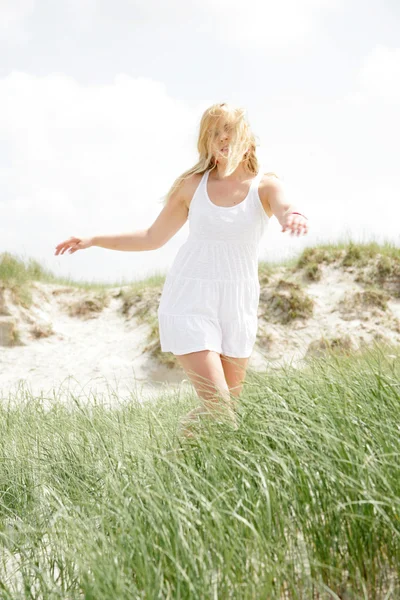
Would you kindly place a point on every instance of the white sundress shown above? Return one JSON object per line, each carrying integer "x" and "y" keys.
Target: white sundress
{"x": 211, "y": 292}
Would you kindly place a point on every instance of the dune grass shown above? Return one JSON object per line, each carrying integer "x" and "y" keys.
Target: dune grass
{"x": 301, "y": 502}
{"x": 18, "y": 271}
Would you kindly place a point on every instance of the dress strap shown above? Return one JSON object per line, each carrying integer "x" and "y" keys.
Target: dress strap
{"x": 256, "y": 180}
{"x": 204, "y": 178}
{"x": 259, "y": 175}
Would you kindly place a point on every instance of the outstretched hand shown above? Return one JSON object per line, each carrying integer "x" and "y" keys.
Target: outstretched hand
{"x": 296, "y": 224}
{"x": 73, "y": 244}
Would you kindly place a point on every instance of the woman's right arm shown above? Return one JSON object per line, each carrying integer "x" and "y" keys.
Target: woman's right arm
{"x": 139, "y": 240}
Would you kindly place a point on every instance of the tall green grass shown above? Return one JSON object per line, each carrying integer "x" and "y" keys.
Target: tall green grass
{"x": 301, "y": 502}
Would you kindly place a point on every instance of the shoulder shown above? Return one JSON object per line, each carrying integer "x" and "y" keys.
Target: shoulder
{"x": 182, "y": 191}
{"x": 188, "y": 187}
{"x": 270, "y": 184}
{"x": 192, "y": 180}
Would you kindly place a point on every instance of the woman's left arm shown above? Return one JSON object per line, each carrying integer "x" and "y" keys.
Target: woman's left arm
{"x": 288, "y": 215}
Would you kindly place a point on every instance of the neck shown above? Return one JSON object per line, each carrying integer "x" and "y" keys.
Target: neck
{"x": 239, "y": 174}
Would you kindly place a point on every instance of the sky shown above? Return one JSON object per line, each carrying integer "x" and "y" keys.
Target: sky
{"x": 101, "y": 100}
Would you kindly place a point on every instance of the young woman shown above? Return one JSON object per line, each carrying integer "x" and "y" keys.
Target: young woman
{"x": 208, "y": 308}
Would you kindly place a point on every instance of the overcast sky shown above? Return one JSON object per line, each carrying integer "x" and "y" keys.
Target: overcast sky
{"x": 100, "y": 104}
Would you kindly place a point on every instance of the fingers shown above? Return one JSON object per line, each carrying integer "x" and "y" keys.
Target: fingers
{"x": 296, "y": 225}
{"x": 72, "y": 244}
{"x": 62, "y": 248}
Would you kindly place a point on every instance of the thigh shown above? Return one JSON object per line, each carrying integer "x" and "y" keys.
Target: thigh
{"x": 235, "y": 372}
{"x": 205, "y": 371}
{"x": 239, "y": 336}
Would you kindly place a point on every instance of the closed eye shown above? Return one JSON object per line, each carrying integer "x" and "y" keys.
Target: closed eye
{"x": 226, "y": 128}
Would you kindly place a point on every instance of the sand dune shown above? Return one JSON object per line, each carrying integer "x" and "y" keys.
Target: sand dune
{"x": 74, "y": 340}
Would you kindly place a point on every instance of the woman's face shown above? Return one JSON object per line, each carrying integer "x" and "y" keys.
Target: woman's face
{"x": 220, "y": 143}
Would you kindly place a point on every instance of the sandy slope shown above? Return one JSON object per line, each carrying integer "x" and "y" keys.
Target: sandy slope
{"x": 102, "y": 352}
{"x": 99, "y": 354}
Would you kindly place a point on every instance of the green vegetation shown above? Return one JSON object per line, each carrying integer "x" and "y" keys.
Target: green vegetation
{"x": 340, "y": 344}
{"x": 286, "y": 302}
{"x": 348, "y": 254}
{"x": 93, "y": 304}
{"x": 302, "y": 501}
{"x": 384, "y": 258}
{"x": 371, "y": 297}
{"x": 374, "y": 263}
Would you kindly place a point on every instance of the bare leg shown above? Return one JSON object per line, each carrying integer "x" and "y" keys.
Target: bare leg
{"x": 235, "y": 373}
{"x": 205, "y": 371}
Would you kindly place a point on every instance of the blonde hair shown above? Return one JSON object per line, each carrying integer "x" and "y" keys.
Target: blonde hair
{"x": 242, "y": 143}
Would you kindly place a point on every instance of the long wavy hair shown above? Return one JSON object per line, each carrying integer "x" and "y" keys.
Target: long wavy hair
{"x": 242, "y": 143}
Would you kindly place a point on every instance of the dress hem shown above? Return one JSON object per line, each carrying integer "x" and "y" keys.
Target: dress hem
{"x": 195, "y": 349}
{"x": 199, "y": 349}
